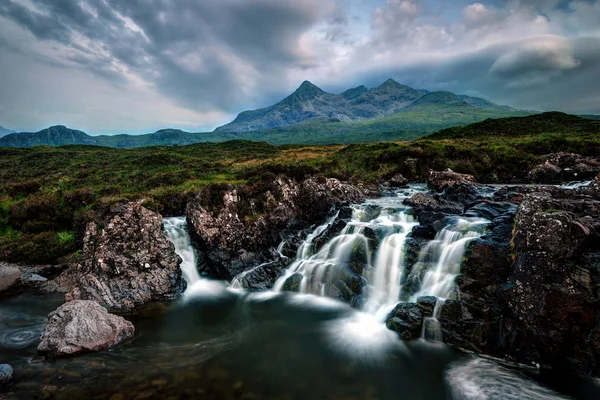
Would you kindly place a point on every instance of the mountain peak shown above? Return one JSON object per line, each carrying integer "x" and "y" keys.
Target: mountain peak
{"x": 308, "y": 88}
{"x": 390, "y": 83}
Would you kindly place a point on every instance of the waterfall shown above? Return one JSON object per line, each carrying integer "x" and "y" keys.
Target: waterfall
{"x": 355, "y": 248}
{"x": 443, "y": 256}
{"x": 176, "y": 229}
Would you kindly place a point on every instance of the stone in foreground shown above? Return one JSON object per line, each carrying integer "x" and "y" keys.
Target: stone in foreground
{"x": 82, "y": 326}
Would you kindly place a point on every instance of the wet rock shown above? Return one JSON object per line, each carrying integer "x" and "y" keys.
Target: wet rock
{"x": 398, "y": 181}
{"x": 261, "y": 277}
{"x": 292, "y": 283}
{"x": 236, "y": 220}
{"x": 490, "y": 209}
{"x": 442, "y": 180}
{"x": 6, "y": 372}
{"x": 129, "y": 261}
{"x": 422, "y": 202}
{"x": 427, "y": 304}
{"x": 541, "y": 227}
{"x": 10, "y": 277}
{"x": 82, "y": 326}
{"x": 406, "y": 319}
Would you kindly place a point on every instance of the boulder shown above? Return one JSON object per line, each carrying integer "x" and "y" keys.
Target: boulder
{"x": 292, "y": 283}
{"x": 261, "y": 277}
{"x": 398, "y": 181}
{"x": 406, "y": 319}
{"x": 6, "y": 372}
{"x": 441, "y": 180}
{"x": 561, "y": 167}
{"x": 230, "y": 221}
{"x": 10, "y": 277}
{"x": 82, "y": 326}
{"x": 129, "y": 261}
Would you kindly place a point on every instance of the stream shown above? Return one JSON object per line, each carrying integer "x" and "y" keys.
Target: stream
{"x": 222, "y": 342}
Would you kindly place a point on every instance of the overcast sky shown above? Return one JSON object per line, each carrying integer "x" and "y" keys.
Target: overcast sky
{"x": 135, "y": 66}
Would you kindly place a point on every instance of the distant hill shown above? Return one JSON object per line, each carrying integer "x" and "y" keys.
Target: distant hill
{"x": 356, "y": 105}
{"x": 545, "y": 123}
{"x": 4, "y": 131}
{"x": 61, "y": 135}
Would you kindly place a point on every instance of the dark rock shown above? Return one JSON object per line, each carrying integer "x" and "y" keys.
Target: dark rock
{"x": 249, "y": 220}
{"x": 6, "y": 372}
{"x": 442, "y": 180}
{"x": 292, "y": 283}
{"x": 427, "y": 304}
{"x": 490, "y": 209}
{"x": 261, "y": 277}
{"x": 406, "y": 319}
{"x": 561, "y": 167}
{"x": 398, "y": 181}
{"x": 422, "y": 202}
{"x": 82, "y": 326}
{"x": 129, "y": 261}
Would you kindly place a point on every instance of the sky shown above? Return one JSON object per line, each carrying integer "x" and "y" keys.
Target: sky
{"x": 136, "y": 66}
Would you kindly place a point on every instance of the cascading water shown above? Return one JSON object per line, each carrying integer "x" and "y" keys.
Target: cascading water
{"x": 386, "y": 219}
{"x": 442, "y": 258}
{"x": 176, "y": 229}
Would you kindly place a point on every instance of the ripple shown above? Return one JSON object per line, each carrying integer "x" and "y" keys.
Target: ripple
{"x": 21, "y": 337}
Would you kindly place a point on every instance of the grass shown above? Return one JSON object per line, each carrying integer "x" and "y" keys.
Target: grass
{"x": 48, "y": 194}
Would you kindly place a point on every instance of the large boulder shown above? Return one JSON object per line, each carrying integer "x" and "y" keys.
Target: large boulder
{"x": 82, "y": 326}
{"x": 129, "y": 261}
{"x": 406, "y": 319}
{"x": 236, "y": 226}
{"x": 261, "y": 277}
{"x": 398, "y": 181}
{"x": 442, "y": 180}
{"x": 10, "y": 277}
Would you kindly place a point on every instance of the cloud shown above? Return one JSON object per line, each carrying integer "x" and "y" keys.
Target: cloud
{"x": 211, "y": 59}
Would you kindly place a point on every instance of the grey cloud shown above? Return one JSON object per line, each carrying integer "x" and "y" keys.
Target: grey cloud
{"x": 226, "y": 40}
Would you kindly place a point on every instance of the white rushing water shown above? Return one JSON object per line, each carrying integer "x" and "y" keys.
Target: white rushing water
{"x": 437, "y": 266}
{"x": 176, "y": 229}
{"x": 443, "y": 256}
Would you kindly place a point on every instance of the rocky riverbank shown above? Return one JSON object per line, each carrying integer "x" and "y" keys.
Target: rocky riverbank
{"x": 528, "y": 289}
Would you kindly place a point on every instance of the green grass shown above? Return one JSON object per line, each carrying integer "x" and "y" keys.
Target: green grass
{"x": 49, "y": 194}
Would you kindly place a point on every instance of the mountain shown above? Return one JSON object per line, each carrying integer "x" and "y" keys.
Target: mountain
{"x": 54, "y": 136}
{"x": 4, "y": 131}
{"x": 61, "y": 135}
{"x": 353, "y": 105}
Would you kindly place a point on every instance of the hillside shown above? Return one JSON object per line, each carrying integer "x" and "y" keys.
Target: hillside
{"x": 42, "y": 214}
{"x": 545, "y": 123}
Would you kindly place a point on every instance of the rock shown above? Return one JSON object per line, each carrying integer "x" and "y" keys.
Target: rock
{"x": 441, "y": 180}
{"x": 426, "y": 304}
{"x": 490, "y": 210}
{"x": 542, "y": 227}
{"x": 292, "y": 283}
{"x": 82, "y": 326}
{"x": 398, "y": 181}
{"x": 10, "y": 277}
{"x": 422, "y": 202}
{"x": 561, "y": 167}
{"x": 129, "y": 261}
{"x": 406, "y": 319}
{"x": 229, "y": 221}
{"x": 6, "y": 372}
{"x": 261, "y": 277}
